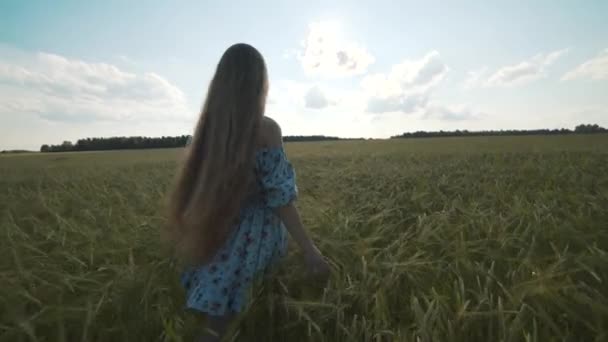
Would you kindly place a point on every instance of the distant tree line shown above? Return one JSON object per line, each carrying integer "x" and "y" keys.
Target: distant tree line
{"x": 14, "y": 151}
{"x": 580, "y": 129}
{"x": 295, "y": 138}
{"x": 130, "y": 143}
{"x": 124, "y": 143}
{"x": 117, "y": 143}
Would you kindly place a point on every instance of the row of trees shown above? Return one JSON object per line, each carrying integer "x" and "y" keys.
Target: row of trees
{"x": 580, "y": 129}
{"x": 117, "y": 143}
{"x": 14, "y": 151}
{"x": 294, "y": 138}
{"x": 124, "y": 143}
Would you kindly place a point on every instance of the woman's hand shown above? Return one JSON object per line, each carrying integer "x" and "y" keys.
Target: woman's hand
{"x": 315, "y": 262}
{"x": 317, "y": 265}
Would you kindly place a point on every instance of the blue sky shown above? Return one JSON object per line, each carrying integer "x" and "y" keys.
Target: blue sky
{"x": 72, "y": 69}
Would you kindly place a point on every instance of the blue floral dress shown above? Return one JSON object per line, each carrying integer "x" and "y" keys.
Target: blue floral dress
{"x": 258, "y": 240}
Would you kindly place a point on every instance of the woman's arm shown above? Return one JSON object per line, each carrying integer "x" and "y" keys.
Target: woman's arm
{"x": 291, "y": 219}
{"x": 314, "y": 259}
{"x": 289, "y": 215}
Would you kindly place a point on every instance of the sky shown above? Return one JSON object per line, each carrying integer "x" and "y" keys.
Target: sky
{"x": 76, "y": 69}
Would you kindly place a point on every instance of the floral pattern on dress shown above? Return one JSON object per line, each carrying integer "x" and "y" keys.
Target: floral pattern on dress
{"x": 258, "y": 240}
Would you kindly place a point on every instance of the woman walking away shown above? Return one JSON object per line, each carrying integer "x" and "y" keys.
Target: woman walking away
{"x": 234, "y": 198}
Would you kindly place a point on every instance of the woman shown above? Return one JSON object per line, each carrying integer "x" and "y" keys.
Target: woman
{"x": 234, "y": 198}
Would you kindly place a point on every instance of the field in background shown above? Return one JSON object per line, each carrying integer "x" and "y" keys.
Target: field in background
{"x": 446, "y": 239}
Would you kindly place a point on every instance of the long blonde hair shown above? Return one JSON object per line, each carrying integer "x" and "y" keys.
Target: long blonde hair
{"x": 219, "y": 166}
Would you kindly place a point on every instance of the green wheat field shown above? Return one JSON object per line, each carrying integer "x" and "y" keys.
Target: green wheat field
{"x": 444, "y": 239}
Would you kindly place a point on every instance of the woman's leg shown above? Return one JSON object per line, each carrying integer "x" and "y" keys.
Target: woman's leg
{"x": 216, "y": 328}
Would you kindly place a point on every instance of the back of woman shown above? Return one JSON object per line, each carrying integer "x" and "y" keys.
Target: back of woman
{"x": 233, "y": 202}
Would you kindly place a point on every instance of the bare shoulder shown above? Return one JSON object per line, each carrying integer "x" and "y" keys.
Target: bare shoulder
{"x": 270, "y": 133}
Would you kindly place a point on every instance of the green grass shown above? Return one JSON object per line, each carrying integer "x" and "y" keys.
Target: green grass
{"x": 452, "y": 239}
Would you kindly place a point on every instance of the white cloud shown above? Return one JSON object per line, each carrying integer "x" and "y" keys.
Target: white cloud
{"x": 406, "y": 88}
{"x": 475, "y": 78}
{"x": 315, "y": 98}
{"x": 405, "y": 103}
{"x": 326, "y": 53}
{"x": 451, "y": 113}
{"x": 61, "y": 89}
{"x": 287, "y": 93}
{"x": 525, "y": 71}
{"x": 290, "y": 95}
{"x": 595, "y": 69}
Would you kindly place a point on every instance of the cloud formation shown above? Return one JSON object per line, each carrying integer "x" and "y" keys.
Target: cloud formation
{"x": 525, "y": 71}
{"x": 406, "y": 88}
{"x": 61, "y": 89}
{"x": 475, "y": 78}
{"x": 325, "y": 53}
{"x": 315, "y": 98}
{"x": 596, "y": 69}
{"x": 451, "y": 113}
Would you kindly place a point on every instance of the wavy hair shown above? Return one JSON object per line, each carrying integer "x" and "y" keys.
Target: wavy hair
{"x": 218, "y": 170}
